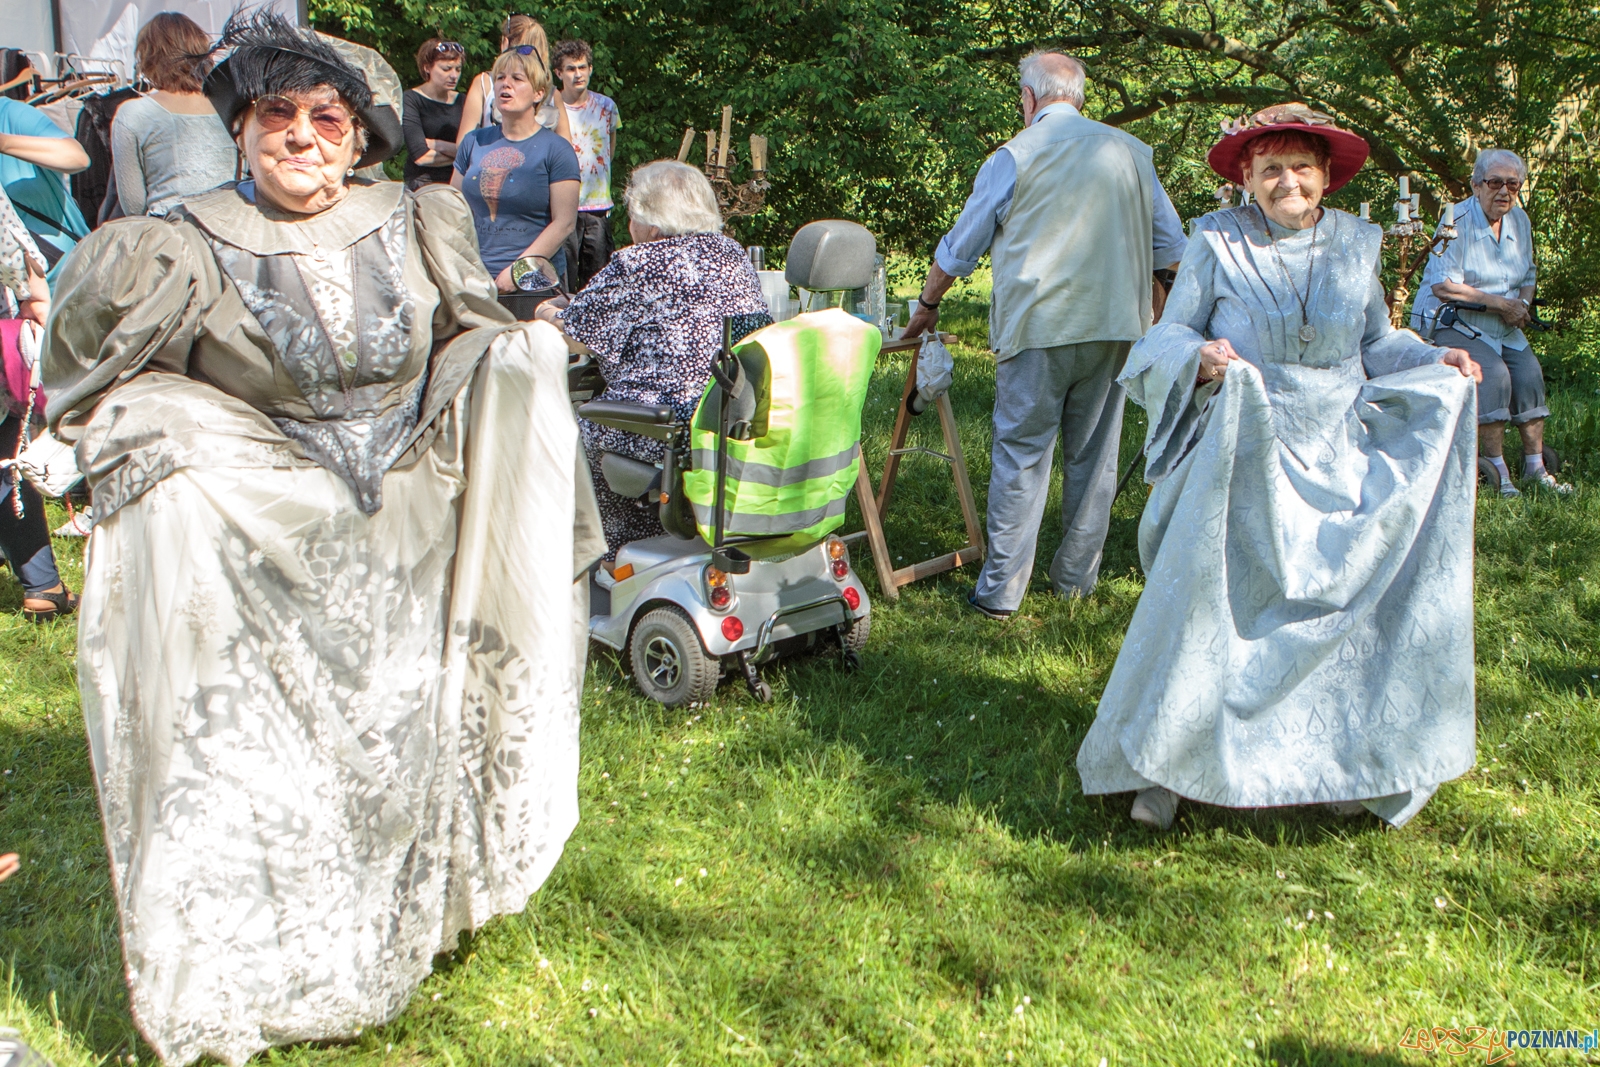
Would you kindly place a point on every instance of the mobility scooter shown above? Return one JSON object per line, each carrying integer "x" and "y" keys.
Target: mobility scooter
{"x": 751, "y": 491}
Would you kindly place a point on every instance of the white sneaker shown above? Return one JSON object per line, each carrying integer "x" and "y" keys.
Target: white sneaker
{"x": 1545, "y": 480}
{"x": 79, "y": 525}
{"x": 1155, "y": 807}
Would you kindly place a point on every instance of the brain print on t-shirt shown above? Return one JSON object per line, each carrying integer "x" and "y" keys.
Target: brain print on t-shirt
{"x": 492, "y": 174}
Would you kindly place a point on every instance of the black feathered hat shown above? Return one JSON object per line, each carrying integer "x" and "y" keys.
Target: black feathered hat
{"x": 270, "y": 55}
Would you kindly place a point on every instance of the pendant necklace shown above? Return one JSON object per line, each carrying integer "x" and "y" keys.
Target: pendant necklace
{"x": 1308, "y": 332}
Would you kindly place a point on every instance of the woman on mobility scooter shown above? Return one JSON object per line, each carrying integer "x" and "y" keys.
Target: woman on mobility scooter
{"x": 652, "y": 320}
{"x": 748, "y": 492}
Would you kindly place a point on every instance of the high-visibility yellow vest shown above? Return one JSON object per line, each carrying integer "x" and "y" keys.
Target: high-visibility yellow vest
{"x": 793, "y": 479}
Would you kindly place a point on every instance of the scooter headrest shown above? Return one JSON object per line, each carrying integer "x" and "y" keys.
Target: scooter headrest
{"x": 831, "y": 255}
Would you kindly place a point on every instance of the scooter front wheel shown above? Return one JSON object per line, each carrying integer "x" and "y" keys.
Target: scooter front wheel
{"x": 669, "y": 663}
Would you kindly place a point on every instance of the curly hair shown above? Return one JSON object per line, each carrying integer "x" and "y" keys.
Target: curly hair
{"x": 573, "y": 49}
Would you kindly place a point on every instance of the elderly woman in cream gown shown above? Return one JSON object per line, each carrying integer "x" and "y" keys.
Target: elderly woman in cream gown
{"x": 332, "y": 645}
{"x": 1305, "y": 632}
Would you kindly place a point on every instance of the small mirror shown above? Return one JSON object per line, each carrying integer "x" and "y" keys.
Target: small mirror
{"x": 535, "y": 275}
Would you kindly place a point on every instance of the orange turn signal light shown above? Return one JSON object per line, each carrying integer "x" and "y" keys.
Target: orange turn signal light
{"x": 623, "y": 572}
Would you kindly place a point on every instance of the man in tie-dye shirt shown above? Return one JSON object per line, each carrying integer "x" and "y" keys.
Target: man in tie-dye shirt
{"x": 594, "y": 122}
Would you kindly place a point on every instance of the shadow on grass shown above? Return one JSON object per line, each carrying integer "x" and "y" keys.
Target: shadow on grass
{"x": 1294, "y": 1050}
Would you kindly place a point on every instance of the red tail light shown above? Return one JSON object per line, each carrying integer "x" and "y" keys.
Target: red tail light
{"x": 732, "y": 628}
{"x": 852, "y": 598}
{"x": 838, "y": 559}
{"x": 718, "y": 595}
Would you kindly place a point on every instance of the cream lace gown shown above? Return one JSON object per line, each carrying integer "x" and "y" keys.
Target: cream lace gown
{"x": 1305, "y": 632}
{"x": 327, "y": 738}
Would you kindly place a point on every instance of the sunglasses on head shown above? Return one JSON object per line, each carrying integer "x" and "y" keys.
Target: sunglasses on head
{"x": 449, "y": 48}
{"x": 331, "y": 121}
{"x": 525, "y": 50}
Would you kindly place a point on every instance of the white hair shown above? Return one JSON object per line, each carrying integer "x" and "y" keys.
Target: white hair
{"x": 1490, "y": 156}
{"x": 673, "y": 197}
{"x": 1053, "y": 76}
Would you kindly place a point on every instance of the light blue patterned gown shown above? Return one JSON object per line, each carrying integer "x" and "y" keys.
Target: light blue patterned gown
{"x": 1305, "y": 633}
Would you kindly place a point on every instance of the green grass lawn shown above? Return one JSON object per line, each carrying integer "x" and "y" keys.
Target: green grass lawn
{"x": 897, "y": 866}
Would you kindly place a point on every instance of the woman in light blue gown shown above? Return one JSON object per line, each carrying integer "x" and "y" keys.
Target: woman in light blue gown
{"x": 1305, "y": 633}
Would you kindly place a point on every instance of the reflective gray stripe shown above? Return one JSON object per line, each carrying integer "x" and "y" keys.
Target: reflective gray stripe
{"x": 762, "y": 525}
{"x": 705, "y": 459}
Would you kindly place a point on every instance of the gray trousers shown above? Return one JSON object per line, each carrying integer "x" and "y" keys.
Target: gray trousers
{"x": 1040, "y": 392}
{"x": 1512, "y": 389}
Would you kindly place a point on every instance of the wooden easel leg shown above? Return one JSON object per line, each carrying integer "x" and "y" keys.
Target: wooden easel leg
{"x": 870, "y": 517}
{"x": 969, "y": 503}
{"x": 897, "y": 440}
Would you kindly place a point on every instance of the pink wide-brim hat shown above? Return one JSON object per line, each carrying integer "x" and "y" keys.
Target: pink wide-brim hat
{"x": 1346, "y": 151}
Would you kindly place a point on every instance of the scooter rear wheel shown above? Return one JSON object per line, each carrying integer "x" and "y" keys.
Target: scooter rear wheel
{"x": 856, "y": 639}
{"x": 669, "y": 663}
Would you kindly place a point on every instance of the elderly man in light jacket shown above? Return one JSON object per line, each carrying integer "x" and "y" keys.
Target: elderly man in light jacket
{"x": 1075, "y": 220}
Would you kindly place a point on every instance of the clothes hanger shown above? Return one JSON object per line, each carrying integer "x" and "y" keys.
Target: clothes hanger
{"x": 27, "y": 75}
{"x": 72, "y": 88}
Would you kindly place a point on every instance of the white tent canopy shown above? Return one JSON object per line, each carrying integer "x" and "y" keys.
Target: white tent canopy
{"x": 103, "y": 31}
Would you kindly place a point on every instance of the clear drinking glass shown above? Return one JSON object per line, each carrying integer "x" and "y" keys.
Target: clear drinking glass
{"x": 891, "y": 329}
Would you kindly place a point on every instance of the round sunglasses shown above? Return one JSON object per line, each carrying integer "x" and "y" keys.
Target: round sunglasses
{"x": 331, "y": 121}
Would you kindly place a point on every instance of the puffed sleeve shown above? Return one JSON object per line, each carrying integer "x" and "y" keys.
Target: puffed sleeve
{"x": 1162, "y": 367}
{"x": 449, "y": 242}
{"x": 132, "y": 296}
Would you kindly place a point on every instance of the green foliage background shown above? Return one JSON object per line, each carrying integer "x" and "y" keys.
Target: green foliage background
{"x": 882, "y": 110}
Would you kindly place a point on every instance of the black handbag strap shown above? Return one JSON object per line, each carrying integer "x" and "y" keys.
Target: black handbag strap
{"x": 52, "y": 254}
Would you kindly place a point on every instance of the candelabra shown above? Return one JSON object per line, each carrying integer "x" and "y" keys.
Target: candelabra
{"x": 1407, "y": 228}
{"x": 733, "y": 200}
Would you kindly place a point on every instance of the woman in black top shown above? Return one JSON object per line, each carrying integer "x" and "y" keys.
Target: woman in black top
{"x": 433, "y": 114}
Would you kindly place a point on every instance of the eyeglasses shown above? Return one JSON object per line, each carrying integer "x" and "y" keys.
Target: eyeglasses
{"x": 525, "y": 50}
{"x": 1498, "y": 184}
{"x": 331, "y": 121}
{"x": 449, "y": 48}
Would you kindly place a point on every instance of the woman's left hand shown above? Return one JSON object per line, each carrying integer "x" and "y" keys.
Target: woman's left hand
{"x": 503, "y": 282}
{"x": 1462, "y": 361}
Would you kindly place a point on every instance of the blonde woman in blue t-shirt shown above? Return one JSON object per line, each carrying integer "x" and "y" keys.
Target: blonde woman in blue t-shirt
{"x": 519, "y": 178}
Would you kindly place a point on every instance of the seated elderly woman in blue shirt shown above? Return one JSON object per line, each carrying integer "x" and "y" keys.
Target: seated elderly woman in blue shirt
{"x": 1491, "y": 263}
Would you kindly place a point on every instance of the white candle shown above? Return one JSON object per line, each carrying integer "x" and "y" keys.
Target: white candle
{"x": 1403, "y": 211}
{"x": 1366, "y": 211}
{"x": 1416, "y": 205}
{"x": 1444, "y": 215}
{"x": 1405, "y": 187}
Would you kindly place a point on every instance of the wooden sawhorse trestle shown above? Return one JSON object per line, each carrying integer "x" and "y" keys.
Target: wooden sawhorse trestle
{"x": 875, "y": 505}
